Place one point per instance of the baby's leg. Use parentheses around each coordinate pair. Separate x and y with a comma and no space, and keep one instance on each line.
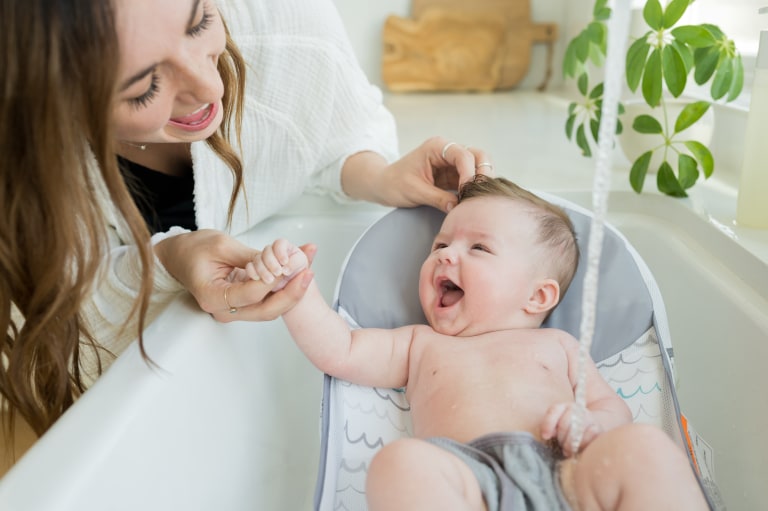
(633,467)
(414,474)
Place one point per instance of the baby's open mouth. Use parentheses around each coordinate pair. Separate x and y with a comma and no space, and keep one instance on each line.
(450,293)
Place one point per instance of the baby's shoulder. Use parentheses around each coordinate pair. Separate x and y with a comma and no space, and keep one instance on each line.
(554,335)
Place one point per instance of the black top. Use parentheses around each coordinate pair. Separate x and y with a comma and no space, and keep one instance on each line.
(163,200)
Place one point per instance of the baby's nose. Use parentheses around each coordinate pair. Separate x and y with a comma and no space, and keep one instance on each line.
(446,255)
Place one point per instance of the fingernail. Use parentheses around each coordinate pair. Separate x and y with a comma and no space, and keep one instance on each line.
(449,206)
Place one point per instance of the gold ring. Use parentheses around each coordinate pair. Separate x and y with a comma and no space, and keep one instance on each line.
(446,147)
(484,164)
(232,310)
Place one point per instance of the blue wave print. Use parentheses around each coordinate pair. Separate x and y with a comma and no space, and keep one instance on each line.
(654,388)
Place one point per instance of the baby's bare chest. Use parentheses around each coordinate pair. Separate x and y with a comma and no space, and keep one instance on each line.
(492,360)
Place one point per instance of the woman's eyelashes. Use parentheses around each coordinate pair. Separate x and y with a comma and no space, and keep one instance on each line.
(204,23)
(143,100)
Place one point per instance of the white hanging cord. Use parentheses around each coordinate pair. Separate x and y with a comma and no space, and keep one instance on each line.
(618,28)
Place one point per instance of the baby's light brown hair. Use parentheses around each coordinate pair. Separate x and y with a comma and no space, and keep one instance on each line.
(556,232)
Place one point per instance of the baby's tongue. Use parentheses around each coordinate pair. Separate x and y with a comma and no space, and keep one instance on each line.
(451,296)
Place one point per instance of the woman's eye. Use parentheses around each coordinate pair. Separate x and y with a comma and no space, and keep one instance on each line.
(202,26)
(143,100)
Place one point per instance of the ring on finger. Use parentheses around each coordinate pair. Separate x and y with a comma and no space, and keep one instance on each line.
(232,310)
(446,147)
(484,164)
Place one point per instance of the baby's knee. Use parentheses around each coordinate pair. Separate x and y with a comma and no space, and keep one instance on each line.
(646,442)
(391,463)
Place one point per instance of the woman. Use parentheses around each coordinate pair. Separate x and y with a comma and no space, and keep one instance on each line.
(161,85)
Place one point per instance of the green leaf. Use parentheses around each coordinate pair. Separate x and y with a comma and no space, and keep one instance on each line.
(594,126)
(646,124)
(686,171)
(639,170)
(674,11)
(597,55)
(600,5)
(652,78)
(603,14)
(706,60)
(582,46)
(635,61)
(685,53)
(667,182)
(581,141)
(702,154)
(570,62)
(597,91)
(652,14)
(596,32)
(721,84)
(582,83)
(569,126)
(619,127)
(738,79)
(690,114)
(674,70)
(714,30)
(695,36)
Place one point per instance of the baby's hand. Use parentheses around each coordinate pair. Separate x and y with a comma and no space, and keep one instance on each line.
(278,263)
(558,422)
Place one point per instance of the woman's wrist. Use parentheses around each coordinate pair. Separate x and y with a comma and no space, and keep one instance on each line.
(361,176)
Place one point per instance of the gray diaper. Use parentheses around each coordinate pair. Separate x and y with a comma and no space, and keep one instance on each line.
(515,472)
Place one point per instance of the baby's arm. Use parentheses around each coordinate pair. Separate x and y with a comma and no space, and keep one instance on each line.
(605,409)
(372,357)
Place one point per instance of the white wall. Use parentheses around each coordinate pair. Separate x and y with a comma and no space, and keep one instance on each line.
(364,20)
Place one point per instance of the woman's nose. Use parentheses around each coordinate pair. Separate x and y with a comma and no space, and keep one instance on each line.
(200,79)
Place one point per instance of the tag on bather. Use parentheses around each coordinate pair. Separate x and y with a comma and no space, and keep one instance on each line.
(704,459)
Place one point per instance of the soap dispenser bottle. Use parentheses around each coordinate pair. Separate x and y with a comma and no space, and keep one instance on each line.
(752,202)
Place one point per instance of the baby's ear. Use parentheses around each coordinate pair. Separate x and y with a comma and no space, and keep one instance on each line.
(545,296)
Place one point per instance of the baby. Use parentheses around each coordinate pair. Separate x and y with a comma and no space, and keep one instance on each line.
(491,392)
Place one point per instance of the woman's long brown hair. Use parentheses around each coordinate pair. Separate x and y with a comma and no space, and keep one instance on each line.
(232,70)
(58,63)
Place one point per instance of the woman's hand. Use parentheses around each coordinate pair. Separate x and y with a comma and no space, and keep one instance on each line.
(203,262)
(430,174)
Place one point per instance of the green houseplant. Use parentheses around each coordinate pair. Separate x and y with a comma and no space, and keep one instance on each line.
(661,64)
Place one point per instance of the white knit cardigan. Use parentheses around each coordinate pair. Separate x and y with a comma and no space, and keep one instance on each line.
(308,107)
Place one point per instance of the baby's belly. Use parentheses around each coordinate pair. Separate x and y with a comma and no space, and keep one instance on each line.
(464,411)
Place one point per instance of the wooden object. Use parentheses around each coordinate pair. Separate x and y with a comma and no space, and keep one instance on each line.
(450,45)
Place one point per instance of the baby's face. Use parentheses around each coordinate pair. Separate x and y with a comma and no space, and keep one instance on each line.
(482,269)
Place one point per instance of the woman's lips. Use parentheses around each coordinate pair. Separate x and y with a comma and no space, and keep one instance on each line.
(197,120)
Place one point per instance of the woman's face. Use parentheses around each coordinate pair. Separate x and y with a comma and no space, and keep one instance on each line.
(169,88)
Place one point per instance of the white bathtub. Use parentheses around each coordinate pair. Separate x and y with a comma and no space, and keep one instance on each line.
(232,421)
